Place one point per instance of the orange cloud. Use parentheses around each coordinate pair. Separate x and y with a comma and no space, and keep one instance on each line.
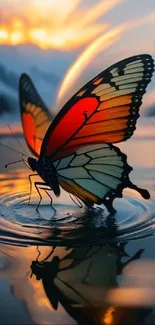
(14,33)
(54,25)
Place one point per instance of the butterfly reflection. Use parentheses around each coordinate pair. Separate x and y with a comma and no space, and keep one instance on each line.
(81,279)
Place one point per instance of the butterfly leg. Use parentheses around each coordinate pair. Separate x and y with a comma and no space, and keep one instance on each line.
(46,190)
(37,188)
(30,176)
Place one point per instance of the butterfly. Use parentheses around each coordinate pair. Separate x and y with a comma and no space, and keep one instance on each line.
(75,150)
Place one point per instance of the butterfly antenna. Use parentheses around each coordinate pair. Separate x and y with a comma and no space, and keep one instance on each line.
(14,162)
(4,145)
(17,139)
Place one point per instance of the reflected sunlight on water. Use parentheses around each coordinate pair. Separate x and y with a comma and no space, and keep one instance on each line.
(137,286)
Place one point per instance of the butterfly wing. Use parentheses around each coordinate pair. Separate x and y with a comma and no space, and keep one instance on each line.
(35,115)
(105,110)
(95,174)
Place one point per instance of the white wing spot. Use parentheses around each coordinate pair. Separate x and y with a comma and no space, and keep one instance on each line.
(117,93)
(114,72)
(140,69)
(134,66)
(134,62)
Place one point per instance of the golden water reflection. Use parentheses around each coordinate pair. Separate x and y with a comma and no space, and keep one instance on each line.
(15,187)
(137,287)
(61,285)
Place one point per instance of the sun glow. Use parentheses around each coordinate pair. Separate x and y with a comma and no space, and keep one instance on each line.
(3,34)
(55,25)
(12,34)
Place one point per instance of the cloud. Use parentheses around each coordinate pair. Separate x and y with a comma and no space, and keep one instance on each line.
(53,25)
(8,103)
(9,78)
(148,107)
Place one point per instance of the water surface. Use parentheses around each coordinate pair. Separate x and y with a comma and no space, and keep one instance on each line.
(79,265)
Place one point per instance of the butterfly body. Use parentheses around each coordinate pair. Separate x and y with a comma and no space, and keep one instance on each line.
(47,172)
(39,268)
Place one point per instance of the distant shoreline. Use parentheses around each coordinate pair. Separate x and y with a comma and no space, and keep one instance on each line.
(7,134)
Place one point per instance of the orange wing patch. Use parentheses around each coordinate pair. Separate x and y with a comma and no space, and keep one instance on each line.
(94,139)
(103,88)
(122,100)
(97,81)
(35,124)
(105,114)
(28,124)
(102,127)
(81,93)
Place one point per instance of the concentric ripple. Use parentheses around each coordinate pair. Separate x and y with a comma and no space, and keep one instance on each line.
(20,224)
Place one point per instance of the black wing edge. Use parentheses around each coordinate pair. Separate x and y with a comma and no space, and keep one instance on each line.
(29,94)
(125,183)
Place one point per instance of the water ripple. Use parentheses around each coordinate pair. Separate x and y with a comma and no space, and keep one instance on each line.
(20,224)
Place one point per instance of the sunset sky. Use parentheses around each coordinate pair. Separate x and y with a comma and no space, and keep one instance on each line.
(68,25)
(91,34)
